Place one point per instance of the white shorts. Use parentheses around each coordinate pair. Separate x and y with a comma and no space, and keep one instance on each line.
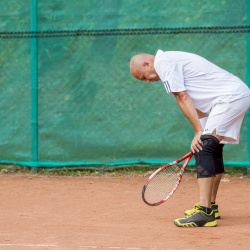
(226,118)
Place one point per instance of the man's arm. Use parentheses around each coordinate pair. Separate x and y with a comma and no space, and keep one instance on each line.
(186,105)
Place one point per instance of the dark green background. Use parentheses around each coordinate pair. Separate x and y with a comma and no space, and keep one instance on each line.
(90,107)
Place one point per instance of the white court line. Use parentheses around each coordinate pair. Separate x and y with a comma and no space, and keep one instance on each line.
(129,248)
(28,245)
(88,246)
(133,248)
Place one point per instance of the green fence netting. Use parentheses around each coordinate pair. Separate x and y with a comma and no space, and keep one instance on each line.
(68,98)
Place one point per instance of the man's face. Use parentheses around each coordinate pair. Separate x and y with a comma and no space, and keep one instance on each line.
(147,73)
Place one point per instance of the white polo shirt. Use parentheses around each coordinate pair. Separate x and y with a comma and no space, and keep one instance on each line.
(205,82)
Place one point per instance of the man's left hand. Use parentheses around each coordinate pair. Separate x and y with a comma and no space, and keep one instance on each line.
(196,144)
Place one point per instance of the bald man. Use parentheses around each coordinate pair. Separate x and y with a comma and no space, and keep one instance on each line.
(215,102)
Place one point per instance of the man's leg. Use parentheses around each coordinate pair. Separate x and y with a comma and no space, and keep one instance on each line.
(219,170)
(215,187)
(205,191)
(208,187)
(203,216)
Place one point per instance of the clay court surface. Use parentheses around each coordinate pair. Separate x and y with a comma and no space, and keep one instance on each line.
(108,213)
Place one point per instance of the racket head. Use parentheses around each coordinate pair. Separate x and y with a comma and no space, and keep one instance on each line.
(161,185)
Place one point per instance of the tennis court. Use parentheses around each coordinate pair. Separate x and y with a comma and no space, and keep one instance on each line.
(41,212)
(69,101)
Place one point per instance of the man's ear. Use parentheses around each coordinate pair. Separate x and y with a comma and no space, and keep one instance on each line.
(145,64)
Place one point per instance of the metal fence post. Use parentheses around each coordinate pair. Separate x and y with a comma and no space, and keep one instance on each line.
(248,83)
(34,85)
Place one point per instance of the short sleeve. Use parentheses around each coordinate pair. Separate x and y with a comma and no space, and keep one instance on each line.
(172,76)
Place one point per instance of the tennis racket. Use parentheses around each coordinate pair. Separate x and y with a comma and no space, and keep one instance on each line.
(161,185)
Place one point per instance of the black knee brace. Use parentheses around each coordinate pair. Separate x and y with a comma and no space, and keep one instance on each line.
(218,159)
(205,163)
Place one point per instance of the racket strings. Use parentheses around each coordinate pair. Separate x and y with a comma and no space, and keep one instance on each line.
(162,184)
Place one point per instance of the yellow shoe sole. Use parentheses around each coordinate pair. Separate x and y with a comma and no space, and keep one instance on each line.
(193,224)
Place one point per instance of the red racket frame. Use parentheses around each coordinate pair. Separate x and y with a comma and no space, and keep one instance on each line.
(187,157)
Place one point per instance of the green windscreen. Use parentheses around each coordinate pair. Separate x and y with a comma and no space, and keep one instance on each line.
(90,109)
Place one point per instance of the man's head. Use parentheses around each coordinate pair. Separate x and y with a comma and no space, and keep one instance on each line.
(142,68)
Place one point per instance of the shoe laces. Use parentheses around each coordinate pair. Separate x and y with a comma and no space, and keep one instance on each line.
(197,210)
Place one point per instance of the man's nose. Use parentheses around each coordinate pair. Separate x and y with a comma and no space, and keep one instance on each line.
(147,81)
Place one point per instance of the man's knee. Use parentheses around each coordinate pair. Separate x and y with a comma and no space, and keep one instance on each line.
(205,158)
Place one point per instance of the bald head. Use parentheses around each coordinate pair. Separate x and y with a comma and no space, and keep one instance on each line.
(142,67)
(137,62)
